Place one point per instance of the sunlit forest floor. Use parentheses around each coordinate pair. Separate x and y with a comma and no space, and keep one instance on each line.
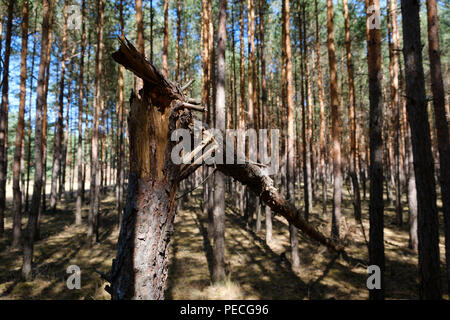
(255,270)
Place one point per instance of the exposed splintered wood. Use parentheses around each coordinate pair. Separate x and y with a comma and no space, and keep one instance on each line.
(140,268)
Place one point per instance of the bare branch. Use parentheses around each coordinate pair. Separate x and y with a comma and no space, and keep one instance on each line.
(187,85)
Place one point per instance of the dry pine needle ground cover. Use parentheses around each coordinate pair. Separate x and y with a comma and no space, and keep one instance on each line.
(255,270)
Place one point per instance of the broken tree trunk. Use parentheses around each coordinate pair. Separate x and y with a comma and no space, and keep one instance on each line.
(139,270)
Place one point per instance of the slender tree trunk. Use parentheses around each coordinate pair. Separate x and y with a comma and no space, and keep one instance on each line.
(62,185)
(178,47)
(290,176)
(250,209)
(121,104)
(80,117)
(205,95)
(352,119)
(86,123)
(4,116)
(40,100)
(376,205)
(242,119)
(57,147)
(334,101)
(95,174)
(17,194)
(442,128)
(322,115)
(428,227)
(307,122)
(45,125)
(219,179)
(151,30)
(211,114)
(165,50)
(262,4)
(395,103)
(412,194)
(29,115)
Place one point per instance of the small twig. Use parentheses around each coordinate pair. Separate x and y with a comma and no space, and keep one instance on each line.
(187,85)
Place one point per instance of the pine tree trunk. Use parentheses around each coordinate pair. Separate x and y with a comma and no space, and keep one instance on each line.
(57,147)
(322,166)
(289,99)
(4,115)
(376,205)
(442,127)
(428,227)
(95,173)
(40,100)
(395,103)
(334,102)
(80,118)
(17,194)
(351,110)
(121,104)
(165,50)
(264,109)
(219,179)
(29,118)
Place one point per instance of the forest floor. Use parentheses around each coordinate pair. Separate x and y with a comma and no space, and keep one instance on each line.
(255,270)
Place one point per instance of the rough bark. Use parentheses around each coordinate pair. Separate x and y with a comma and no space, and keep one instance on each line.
(4,115)
(251,205)
(57,147)
(218,274)
(80,118)
(335,125)
(120,116)
(290,174)
(17,194)
(95,172)
(395,104)
(33,54)
(264,109)
(351,112)
(40,99)
(165,51)
(441,122)
(416,106)
(322,166)
(376,205)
